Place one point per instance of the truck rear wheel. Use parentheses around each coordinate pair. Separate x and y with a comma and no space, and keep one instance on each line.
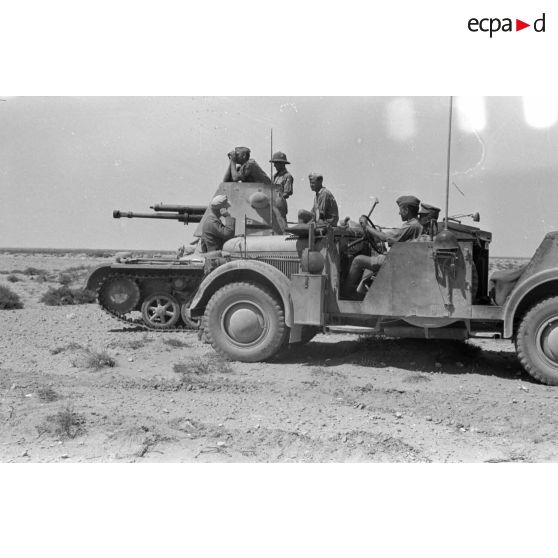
(245,322)
(537,341)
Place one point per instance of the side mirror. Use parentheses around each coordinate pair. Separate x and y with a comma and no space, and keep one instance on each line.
(476,217)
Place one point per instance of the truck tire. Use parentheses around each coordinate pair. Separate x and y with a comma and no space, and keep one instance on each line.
(537,341)
(245,322)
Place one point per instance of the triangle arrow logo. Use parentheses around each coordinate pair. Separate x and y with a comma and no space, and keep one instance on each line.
(519,25)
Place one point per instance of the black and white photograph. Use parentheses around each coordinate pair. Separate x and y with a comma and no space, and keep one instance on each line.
(278,279)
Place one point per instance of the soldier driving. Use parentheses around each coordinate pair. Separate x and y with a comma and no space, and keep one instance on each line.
(243,169)
(214,232)
(411,229)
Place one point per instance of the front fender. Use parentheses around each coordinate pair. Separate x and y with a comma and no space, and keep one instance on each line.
(244,270)
(521,291)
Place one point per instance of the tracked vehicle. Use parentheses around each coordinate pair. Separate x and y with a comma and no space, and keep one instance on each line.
(155,293)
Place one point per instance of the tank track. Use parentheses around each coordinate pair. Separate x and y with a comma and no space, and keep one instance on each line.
(137,322)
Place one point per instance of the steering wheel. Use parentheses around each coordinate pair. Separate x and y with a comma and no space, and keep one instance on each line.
(377,245)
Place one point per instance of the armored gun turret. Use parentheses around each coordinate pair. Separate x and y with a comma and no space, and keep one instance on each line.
(156,292)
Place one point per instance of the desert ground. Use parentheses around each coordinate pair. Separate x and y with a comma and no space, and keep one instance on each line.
(78,386)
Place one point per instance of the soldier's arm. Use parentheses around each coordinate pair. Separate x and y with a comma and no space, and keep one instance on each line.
(288,187)
(226,230)
(235,174)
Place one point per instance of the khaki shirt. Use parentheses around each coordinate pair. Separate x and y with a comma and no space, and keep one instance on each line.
(410,230)
(214,233)
(325,207)
(284,181)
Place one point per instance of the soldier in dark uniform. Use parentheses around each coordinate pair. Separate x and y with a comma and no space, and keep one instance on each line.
(243,169)
(410,230)
(325,208)
(214,232)
(428,218)
(283,183)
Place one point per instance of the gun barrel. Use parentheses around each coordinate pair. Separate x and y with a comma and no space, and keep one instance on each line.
(183,217)
(190,209)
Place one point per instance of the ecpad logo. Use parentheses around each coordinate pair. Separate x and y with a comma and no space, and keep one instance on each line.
(493,25)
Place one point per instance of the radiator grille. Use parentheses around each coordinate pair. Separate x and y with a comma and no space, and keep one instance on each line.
(287,266)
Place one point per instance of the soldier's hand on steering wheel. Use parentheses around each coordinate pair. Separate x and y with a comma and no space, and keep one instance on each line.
(376,244)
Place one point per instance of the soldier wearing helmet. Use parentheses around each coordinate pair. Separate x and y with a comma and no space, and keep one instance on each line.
(410,230)
(243,169)
(214,232)
(283,186)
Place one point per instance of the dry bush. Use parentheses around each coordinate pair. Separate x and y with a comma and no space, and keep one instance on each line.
(38,274)
(93,360)
(196,370)
(72,346)
(8,299)
(46,393)
(73,274)
(131,343)
(177,343)
(66,423)
(64,296)
(12,278)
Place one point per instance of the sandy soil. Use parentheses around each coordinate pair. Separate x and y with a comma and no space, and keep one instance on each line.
(168,398)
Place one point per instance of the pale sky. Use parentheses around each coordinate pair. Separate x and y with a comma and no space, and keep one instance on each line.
(67,162)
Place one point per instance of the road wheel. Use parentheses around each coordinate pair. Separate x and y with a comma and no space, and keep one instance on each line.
(119,295)
(245,322)
(537,341)
(160,311)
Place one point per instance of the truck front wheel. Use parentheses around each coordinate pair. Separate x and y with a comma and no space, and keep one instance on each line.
(245,322)
(537,341)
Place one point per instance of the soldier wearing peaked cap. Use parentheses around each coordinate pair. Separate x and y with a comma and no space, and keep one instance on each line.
(283,183)
(243,169)
(428,218)
(214,232)
(410,230)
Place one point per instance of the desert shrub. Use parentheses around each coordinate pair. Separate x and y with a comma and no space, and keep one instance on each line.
(34,271)
(63,296)
(72,346)
(65,279)
(93,360)
(8,299)
(12,278)
(66,423)
(46,393)
(202,367)
(73,274)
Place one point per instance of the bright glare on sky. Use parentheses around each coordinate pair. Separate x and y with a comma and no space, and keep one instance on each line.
(67,162)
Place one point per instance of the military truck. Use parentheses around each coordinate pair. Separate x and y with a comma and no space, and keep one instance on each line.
(269,292)
(156,292)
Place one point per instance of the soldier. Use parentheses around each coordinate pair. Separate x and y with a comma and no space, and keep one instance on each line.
(411,229)
(243,169)
(283,182)
(214,232)
(325,207)
(428,218)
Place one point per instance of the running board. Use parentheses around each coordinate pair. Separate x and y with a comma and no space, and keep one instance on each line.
(350,329)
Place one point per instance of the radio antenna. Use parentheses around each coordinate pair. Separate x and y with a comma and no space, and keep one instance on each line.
(448,163)
(271,155)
